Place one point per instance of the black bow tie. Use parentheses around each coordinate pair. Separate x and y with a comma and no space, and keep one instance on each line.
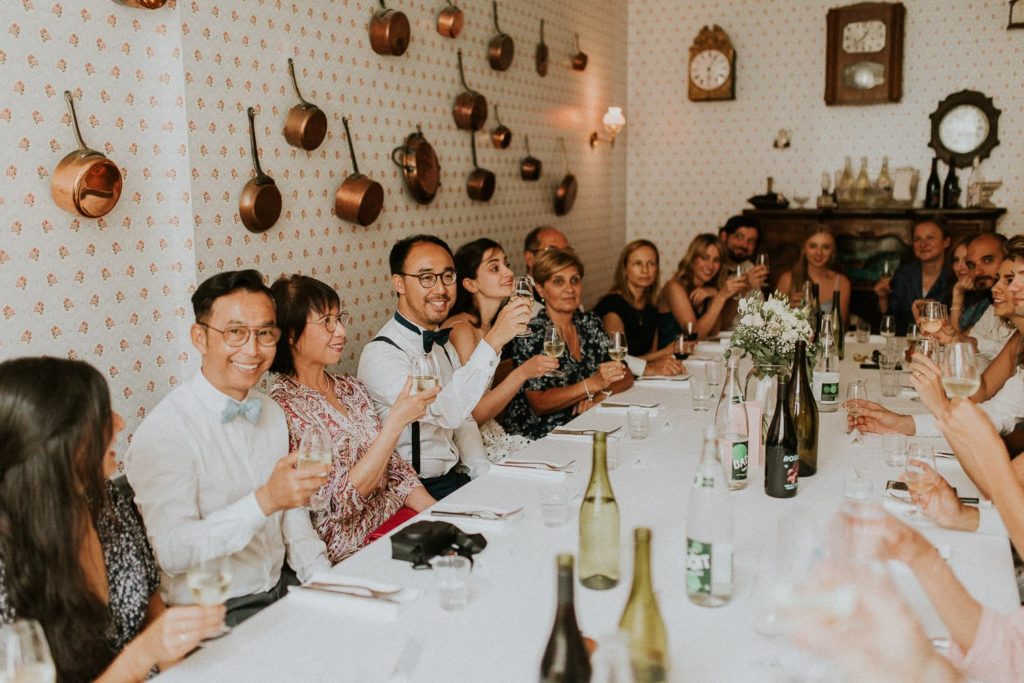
(434,337)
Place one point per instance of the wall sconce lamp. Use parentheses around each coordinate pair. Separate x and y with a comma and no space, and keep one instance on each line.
(613,122)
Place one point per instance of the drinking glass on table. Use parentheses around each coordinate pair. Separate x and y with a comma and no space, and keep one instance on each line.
(209,581)
(933,316)
(316,448)
(960,375)
(618,348)
(554,346)
(855,392)
(25,654)
(523,287)
(713,374)
(918,478)
(863,331)
(424,373)
(887,328)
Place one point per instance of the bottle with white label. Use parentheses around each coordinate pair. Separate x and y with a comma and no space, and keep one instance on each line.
(709,530)
(731,425)
(826,371)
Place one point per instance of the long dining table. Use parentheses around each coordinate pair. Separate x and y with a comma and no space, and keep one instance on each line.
(501,634)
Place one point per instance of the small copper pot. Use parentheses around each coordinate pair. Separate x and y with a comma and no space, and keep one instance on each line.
(389,32)
(85,181)
(580,59)
(502,48)
(259,207)
(530,167)
(450,21)
(420,167)
(470,109)
(481,183)
(306,124)
(142,4)
(501,136)
(360,198)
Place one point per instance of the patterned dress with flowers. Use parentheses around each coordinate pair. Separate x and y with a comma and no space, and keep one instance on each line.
(349,517)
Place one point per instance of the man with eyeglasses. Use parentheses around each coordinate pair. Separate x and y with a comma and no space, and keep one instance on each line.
(540,240)
(423,276)
(210,465)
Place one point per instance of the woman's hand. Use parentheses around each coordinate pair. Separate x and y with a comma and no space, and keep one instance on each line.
(874,418)
(513,318)
(947,334)
(927,380)
(177,631)
(608,373)
(883,288)
(732,287)
(963,285)
(975,440)
(701,294)
(901,542)
(538,365)
(409,407)
(663,367)
(940,502)
(584,405)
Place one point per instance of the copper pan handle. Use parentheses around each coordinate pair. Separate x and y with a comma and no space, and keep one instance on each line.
(541,30)
(527,138)
(565,157)
(494,6)
(74,119)
(472,142)
(578,43)
(348,136)
(260,175)
(462,73)
(295,83)
(497,115)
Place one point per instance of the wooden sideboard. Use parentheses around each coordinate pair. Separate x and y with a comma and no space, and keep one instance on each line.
(864,239)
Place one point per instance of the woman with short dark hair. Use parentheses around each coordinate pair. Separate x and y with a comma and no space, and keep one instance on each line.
(928,276)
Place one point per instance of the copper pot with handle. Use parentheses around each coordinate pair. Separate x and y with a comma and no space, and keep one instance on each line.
(360,198)
(85,181)
(306,124)
(420,167)
(481,183)
(565,193)
(501,136)
(470,109)
(389,32)
(502,48)
(260,204)
(580,59)
(530,167)
(450,21)
(142,4)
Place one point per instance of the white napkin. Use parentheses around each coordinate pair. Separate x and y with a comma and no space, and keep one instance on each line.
(386,609)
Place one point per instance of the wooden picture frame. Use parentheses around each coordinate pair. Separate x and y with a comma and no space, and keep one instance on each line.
(864,75)
(1016,15)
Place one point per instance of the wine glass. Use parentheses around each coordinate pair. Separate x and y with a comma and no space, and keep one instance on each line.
(888,326)
(741,275)
(618,348)
(855,392)
(424,373)
(917,478)
(25,654)
(960,376)
(932,317)
(762,260)
(316,448)
(209,581)
(927,347)
(554,346)
(523,287)
(888,268)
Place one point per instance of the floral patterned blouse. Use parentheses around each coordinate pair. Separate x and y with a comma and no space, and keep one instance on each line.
(349,517)
(520,418)
(132,574)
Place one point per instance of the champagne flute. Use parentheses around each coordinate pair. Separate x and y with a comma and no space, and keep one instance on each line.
(960,376)
(888,326)
(424,373)
(523,287)
(316,448)
(618,348)
(932,317)
(762,260)
(741,275)
(25,654)
(917,478)
(209,581)
(888,269)
(554,346)
(855,391)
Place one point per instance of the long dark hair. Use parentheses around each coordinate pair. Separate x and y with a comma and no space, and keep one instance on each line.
(55,425)
(467,264)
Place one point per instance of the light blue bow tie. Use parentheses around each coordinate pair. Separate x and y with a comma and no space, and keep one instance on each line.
(250,408)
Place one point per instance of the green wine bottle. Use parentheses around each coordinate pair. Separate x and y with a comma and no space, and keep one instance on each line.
(838,329)
(804,411)
(565,657)
(782,458)
(641,620)
(599,525)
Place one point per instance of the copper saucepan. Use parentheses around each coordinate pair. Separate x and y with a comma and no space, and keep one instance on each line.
(450,21)
(420,167)
(502,48)
(501,136)
(142,4)
(540,57)
(306,124)
(530,166)
(85,181)
(260,203)
(470,109)
(565,193)
(481,182)
(360,198)
(579,60)
(389,32)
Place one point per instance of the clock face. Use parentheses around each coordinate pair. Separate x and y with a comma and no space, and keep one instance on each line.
(864,37)
(963,129)
(709,69)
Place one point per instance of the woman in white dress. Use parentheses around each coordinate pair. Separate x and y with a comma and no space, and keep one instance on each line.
(484,285)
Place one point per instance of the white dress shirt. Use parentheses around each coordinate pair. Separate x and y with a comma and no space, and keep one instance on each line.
(1005,409)
(991,333)
(448,432)
(195,481)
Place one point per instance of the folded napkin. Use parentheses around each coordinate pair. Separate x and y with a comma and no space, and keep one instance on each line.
(340,591)
(529,468)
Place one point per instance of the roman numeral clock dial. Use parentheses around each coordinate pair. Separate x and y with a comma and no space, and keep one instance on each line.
(712,66)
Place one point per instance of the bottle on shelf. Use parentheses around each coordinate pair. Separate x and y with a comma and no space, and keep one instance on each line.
(565,657)
(599,524)
(884,181)
(862,184)
(804,411)
(838,329)
(826,371)
(709,531)
(933,190)
(641,619)
(844,186)
(951,189)
(974,182)
(731,425)
(782,459)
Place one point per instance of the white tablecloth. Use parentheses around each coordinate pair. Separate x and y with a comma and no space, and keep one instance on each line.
(501,635)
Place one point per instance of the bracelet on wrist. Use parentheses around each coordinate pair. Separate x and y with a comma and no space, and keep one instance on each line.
(590,396)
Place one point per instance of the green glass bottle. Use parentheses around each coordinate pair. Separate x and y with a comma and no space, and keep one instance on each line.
(781,456)
(838,329)
(804,411)
(599,525)
(641,620)
(565,657)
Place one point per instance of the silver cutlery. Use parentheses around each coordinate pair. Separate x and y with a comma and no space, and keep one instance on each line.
(536,464)
(477,514)
(337,590)
(667,378)
(376,592)
(610,404)
(583,432)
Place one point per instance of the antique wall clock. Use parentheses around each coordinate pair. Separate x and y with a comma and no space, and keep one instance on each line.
(712,70)
(965,125)
(864,53)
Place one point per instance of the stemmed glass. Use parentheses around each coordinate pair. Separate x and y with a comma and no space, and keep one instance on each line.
(523,287)
(25,654)
(554,346)
(316,448)
(209,581)
(618,348)
(927,347)
(888,268)
(424,373)
(888,326)
(855,392)
(960,376)
(933,315)
(918,478)
(762,260)
(741,274)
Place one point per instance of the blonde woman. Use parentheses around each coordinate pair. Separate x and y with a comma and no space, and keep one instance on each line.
(815,265)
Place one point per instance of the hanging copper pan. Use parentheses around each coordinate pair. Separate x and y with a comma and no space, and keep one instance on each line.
(360,198)
(389,32)
(580,59)
(142,4)
(420,167)
(306,124)
(85,181)
(501,136)
(450,21)
(470,109)
(502,48)
(565,193)
(530,166)
(481,182)
(540,57)
(260,203)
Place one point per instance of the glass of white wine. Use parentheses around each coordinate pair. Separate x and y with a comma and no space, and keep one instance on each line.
(888,268)
(888,326)
(25,654)
(855,392)
(618,349)
(424,373)
(316,448)
(209,581)
(918,478)
(762,260)
(932,317)
(960,376)
(554,346)
(523,287)
(741,275)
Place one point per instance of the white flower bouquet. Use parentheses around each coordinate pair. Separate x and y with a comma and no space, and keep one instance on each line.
(769,330)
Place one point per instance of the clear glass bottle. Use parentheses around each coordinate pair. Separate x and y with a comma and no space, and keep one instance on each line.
(565,657)
(862,184)
(641,619)
(599,524)
(844,187)
(731,425)
(709,531)
(884,181)
(826,371)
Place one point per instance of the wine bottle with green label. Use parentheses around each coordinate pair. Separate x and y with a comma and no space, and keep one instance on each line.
(731,425)
(709,530)
(599,525)
(826,372)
